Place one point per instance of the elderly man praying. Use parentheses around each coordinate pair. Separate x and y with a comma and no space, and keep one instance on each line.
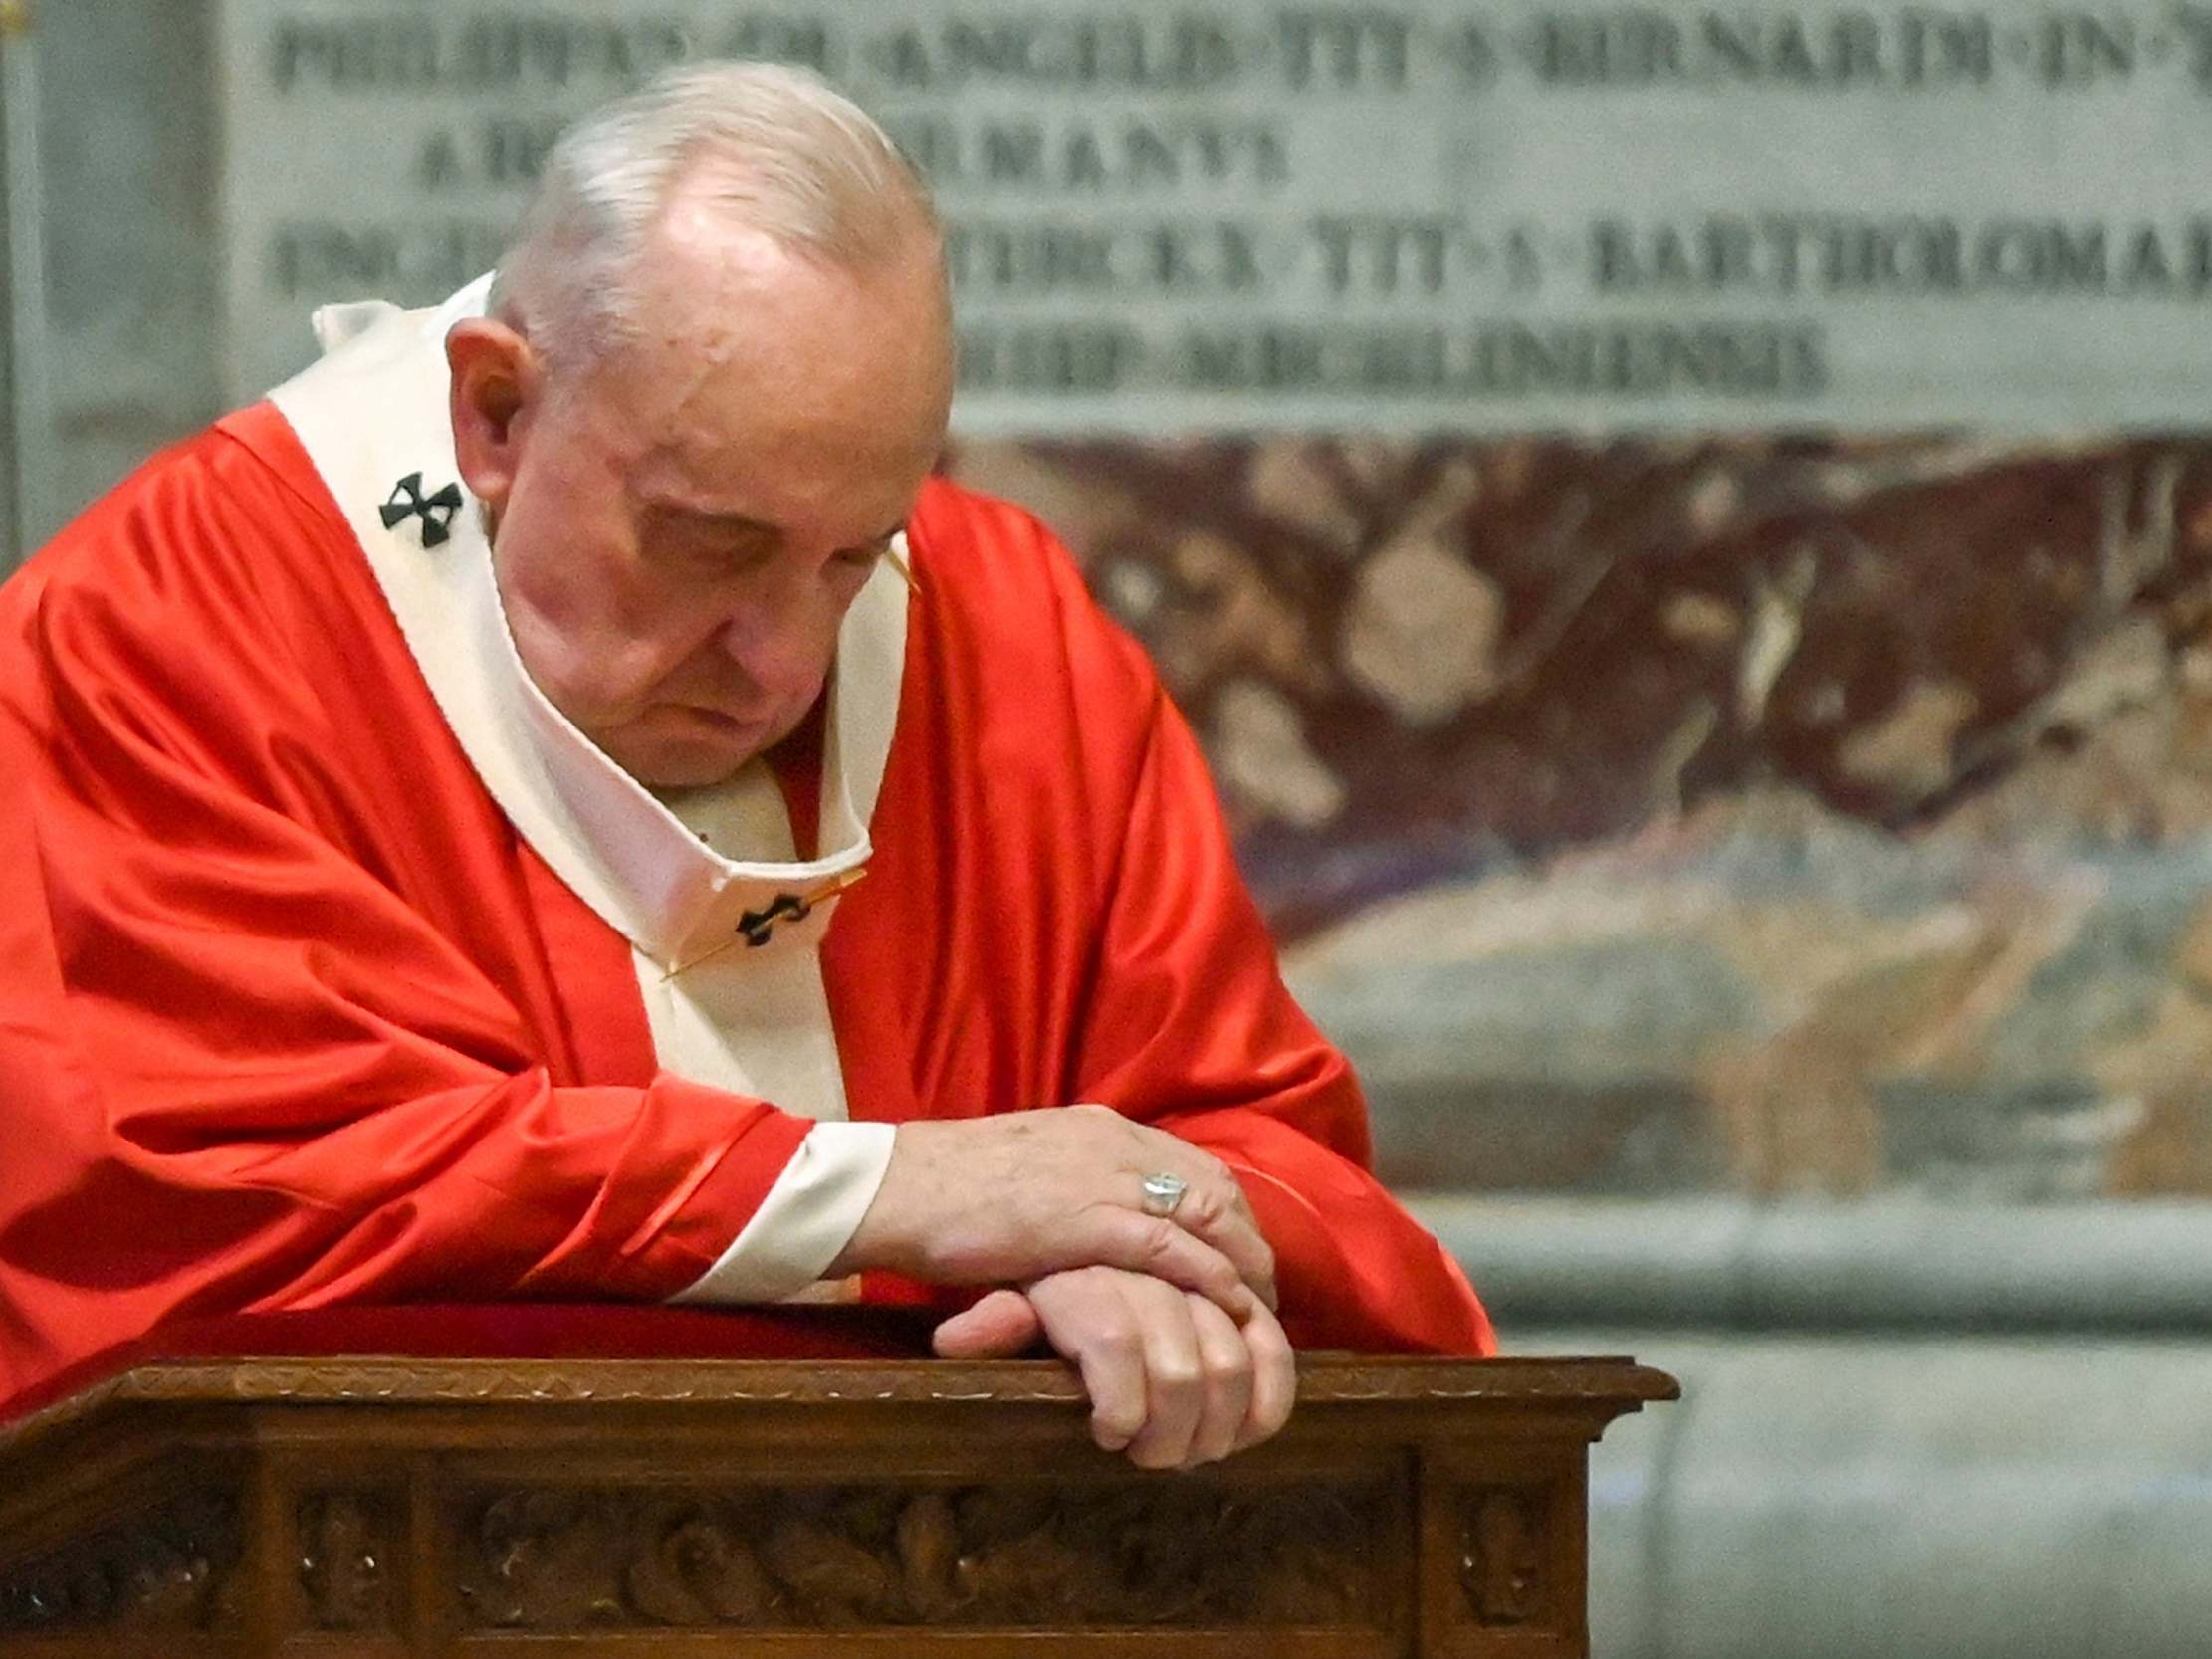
(440,800)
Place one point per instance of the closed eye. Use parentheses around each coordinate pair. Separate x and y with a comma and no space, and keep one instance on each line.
(870,556)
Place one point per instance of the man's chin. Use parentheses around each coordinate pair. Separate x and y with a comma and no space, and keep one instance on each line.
(712,752)
(685,772)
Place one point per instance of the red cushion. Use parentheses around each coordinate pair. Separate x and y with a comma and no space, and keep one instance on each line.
(509,1330)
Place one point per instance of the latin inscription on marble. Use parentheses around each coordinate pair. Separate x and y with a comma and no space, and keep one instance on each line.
(1427,215)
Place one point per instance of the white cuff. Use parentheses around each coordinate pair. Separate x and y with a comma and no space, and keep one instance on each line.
(809,1214)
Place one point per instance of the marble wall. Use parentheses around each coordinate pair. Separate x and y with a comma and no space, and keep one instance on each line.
(132,236)
(1775,815)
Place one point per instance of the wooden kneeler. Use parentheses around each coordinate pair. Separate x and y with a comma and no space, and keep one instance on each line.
(351,1507)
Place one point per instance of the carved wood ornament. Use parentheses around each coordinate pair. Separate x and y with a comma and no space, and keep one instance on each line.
(1501,1558)
(1136,1554)
(171,1567)
(346,1554)
(1423,1508)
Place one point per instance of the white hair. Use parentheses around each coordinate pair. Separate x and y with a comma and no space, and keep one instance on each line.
(776,147)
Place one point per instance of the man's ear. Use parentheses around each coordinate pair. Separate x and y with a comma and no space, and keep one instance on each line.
(497,382)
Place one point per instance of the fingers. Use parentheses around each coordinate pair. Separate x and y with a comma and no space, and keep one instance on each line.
(1176,1382)
(1163,1249)
(1274,1379)
(997,1326)
(1090,1321)
(1214,1207)
(1226,1374)
(1215,1211)
(1173,1381)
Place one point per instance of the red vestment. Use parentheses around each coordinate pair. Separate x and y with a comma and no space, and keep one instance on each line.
(290,1015)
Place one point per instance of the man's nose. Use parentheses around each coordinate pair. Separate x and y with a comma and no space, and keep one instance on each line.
(782,646)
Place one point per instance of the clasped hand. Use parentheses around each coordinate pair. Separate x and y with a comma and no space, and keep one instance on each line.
(1169,1319)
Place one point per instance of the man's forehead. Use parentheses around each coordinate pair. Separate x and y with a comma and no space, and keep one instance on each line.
(736,445)
(697,384)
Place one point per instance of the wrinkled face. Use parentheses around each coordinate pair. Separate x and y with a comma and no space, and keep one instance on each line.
(679,533)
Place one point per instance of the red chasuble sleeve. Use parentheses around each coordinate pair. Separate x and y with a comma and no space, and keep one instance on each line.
(277,1026)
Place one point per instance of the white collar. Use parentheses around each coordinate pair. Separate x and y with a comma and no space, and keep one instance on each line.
(373,413)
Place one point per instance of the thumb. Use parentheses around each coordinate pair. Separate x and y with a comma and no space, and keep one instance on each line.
(998,1327)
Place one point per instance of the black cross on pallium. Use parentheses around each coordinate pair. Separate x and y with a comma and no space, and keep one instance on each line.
(758,926)
(435,512)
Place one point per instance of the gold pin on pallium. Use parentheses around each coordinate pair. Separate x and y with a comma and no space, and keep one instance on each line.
(755,927)
(905,570)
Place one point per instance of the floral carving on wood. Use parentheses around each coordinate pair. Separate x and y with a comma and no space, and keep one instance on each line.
(1501,1555)
(1141,1553)
(171,1569)
(346,1560)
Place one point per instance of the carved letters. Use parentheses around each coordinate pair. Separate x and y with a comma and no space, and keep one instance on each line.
(1142,1552)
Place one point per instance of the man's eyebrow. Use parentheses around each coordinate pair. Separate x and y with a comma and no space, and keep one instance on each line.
(715,519)
(745,523)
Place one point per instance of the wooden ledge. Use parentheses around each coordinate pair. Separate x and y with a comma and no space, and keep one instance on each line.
(396,1380)
(402,1505)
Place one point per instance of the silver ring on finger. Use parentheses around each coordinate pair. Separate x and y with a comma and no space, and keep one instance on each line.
(1163,1193)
